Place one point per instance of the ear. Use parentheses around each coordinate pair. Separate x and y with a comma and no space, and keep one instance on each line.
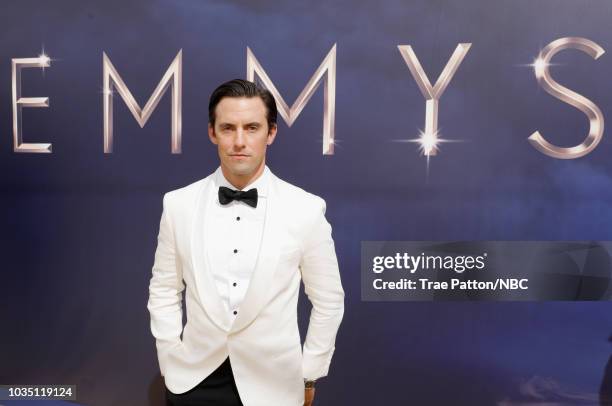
(211,134)
(272,134)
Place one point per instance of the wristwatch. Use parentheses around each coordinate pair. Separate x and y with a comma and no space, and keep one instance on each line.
(309,383)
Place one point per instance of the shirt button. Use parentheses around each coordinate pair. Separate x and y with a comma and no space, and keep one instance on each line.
(238,218)
(235,312)
(234,283)
(235,251)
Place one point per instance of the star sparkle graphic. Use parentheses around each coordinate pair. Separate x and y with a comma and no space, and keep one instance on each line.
(538,65)
(44,61)
(428,143)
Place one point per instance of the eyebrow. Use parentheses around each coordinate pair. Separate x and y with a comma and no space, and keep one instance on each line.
(254,123)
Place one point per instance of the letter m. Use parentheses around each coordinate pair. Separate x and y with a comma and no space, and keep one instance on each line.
(325,73)
(172,79)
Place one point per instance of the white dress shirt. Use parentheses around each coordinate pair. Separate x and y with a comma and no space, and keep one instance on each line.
(237,238)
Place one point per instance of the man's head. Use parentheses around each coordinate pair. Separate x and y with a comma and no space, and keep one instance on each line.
(242,123)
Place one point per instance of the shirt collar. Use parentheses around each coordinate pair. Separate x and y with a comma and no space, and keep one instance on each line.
(261,183)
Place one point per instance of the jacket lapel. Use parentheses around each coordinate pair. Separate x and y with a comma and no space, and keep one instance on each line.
(200,236)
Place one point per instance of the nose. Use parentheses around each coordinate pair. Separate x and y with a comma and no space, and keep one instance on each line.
(239,139)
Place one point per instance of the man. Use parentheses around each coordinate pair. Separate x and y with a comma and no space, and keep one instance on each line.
(238,242)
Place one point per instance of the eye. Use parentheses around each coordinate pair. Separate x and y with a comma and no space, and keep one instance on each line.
(253,128)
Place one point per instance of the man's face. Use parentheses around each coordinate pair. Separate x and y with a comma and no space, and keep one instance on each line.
(241,134)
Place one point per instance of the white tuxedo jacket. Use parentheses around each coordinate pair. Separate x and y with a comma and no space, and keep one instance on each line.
(262,341)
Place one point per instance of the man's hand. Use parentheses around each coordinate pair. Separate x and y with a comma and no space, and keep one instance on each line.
(309,396)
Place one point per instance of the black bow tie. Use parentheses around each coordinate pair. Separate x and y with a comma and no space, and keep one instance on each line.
(226,195)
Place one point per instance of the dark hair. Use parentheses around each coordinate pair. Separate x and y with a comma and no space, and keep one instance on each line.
(243,88)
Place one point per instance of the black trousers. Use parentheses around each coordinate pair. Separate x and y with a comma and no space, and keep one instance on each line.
(218,389)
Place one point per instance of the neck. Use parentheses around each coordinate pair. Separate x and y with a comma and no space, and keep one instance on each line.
(242,181)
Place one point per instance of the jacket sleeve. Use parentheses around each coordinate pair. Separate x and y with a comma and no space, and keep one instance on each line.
(165,291)
(321,276)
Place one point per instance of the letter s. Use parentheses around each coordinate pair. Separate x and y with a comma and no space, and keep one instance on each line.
(596,118)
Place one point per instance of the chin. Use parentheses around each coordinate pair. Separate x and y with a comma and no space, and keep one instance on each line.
(240,169)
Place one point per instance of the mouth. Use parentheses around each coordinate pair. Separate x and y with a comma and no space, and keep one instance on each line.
(239,156)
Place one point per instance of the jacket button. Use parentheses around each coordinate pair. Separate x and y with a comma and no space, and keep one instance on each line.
(235,251)
(235,312)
